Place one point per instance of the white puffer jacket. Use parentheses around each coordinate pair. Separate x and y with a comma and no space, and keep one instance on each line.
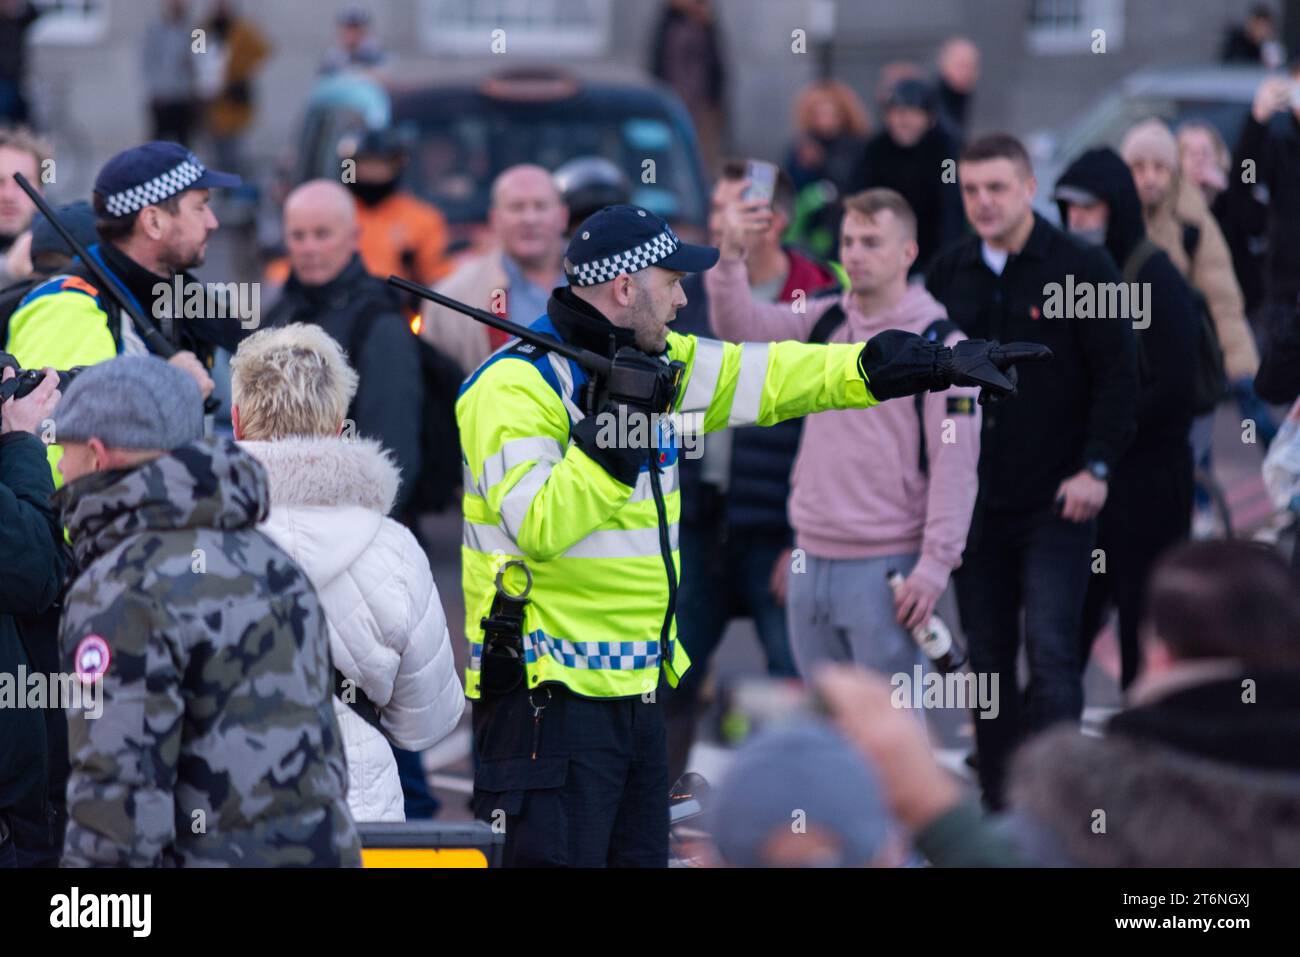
(388,633)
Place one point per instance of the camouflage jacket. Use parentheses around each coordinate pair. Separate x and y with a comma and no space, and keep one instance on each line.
(217,743)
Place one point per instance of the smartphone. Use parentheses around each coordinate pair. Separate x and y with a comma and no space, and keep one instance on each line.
(762,181)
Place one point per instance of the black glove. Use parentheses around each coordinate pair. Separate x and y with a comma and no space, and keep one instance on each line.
(623,456)
(990,365)
(897,363)
(621,435)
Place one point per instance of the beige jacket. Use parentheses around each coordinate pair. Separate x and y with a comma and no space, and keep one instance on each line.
(473,282)
(1210,272)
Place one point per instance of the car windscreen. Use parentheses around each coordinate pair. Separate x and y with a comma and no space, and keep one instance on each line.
(1115,116)
(460,145)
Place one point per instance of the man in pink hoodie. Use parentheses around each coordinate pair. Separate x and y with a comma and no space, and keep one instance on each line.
(870,492)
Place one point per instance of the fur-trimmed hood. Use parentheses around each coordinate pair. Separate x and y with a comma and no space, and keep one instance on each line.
(330,496)
(329,471)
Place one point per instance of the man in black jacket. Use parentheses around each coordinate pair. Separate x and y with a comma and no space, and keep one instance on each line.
(1271,141)
(32,574)
(908,157)
(1149,507)
(329,286)
(1045,460)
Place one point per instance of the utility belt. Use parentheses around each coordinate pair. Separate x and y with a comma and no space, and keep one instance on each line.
(502,665)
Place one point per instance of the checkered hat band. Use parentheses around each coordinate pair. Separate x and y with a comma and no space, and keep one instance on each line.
(161,187)
(634,260)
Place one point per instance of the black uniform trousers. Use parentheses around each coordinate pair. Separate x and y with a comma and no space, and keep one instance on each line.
(581,783)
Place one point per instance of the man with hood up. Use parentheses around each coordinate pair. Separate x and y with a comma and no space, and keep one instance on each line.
(1150,503)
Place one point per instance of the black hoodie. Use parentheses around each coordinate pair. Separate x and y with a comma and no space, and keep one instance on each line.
(914,172)
(1167,347)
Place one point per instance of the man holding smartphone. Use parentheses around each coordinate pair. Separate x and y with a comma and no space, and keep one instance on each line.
(736,538)
(908,504)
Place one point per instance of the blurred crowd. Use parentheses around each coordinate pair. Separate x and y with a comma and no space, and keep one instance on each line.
(333,432)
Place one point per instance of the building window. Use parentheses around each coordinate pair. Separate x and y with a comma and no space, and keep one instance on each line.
(1059,27)
(551,28)
(70,22)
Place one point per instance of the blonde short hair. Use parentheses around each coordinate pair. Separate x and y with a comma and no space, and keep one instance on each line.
(294,380)
(23,139)
(869,202)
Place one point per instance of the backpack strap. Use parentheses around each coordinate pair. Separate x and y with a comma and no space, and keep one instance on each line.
(1137,259)
(1133,267)
(827,323)
(937,331)
(1191,239)
(361,705)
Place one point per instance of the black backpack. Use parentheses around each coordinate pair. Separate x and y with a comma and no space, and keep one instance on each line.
(1209,378)
(434,489)
(937,331)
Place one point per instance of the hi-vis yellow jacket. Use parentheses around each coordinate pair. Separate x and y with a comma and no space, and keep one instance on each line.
(596,613)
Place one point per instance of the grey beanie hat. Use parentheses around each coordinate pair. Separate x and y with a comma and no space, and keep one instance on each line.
(131,402)
(804,767)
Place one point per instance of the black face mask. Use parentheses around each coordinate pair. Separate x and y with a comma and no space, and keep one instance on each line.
(372,194)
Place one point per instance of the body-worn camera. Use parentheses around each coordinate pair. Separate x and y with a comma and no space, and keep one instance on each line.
(643,382)
(25,380)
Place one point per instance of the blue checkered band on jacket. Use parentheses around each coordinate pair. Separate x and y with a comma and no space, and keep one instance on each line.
(581,654)
(634,260)
(596,655)
(161,187)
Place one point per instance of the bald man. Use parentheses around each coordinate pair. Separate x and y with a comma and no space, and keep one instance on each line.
(328,285)
(959,71)
(514,278)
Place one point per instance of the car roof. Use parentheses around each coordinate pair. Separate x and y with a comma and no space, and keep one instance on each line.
(415,74)
(624,89)
(1224,83)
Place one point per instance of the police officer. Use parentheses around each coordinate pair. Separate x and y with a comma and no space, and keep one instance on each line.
(570,541)
(153,220)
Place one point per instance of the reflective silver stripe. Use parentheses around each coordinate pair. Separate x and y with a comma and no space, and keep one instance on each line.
(516,452)
(607,543)
(467,479)
(514,506)
(561,367)
(488,539)
(749,384)
(622,543)
(643,490)
(132,344)
(704,375)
